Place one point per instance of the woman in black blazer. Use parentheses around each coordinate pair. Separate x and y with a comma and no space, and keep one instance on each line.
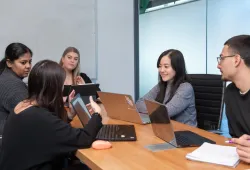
(70,61)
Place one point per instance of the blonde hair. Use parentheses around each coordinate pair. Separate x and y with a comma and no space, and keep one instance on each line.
(76,71)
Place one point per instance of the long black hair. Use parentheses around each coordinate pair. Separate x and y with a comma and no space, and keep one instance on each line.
(45,86)
(12,52)
(178,65)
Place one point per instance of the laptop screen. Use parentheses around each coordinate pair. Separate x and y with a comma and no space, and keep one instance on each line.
(160,120)
(81,109)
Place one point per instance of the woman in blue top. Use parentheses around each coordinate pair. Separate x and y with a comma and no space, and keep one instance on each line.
(173,89)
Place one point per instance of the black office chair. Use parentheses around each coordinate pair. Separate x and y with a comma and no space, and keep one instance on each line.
(209,99)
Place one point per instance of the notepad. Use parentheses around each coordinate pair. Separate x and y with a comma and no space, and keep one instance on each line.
(216,154)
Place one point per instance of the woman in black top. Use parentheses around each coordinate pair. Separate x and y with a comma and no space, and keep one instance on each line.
(15,66)
(37,135)
(70,61)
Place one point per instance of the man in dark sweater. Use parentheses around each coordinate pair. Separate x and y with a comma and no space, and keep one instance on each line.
(234,65)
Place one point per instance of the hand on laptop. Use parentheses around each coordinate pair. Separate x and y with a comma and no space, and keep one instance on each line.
(79,80)
(71,113)
(93,107)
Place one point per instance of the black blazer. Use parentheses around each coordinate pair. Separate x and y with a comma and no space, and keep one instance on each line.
(85,78)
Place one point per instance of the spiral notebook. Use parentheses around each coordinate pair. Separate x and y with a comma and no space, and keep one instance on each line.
(216,154)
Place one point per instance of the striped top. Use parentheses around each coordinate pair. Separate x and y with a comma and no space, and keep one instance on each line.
(180,108)
(12,91)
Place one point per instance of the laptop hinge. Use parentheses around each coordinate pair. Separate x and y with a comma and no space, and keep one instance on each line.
(173,142)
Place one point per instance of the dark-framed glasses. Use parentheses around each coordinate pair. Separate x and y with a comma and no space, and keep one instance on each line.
(223,57)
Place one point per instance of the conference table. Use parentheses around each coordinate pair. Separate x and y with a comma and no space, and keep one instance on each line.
(134,155)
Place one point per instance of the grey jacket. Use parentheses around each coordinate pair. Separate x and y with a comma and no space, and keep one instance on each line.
(180,108)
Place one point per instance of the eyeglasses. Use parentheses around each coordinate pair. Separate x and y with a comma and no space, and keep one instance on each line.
(223,57)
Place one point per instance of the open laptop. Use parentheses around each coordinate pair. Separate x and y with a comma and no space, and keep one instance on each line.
(107,132)
(163,129)
(122,107)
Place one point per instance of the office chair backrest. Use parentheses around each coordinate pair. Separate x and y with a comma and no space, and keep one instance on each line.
(209,99)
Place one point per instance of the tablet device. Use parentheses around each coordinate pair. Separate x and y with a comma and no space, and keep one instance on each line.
(86,90)
(66,90)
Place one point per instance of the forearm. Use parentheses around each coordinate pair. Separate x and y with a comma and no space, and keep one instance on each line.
(151,95)
(69,139)
(140,105)
(94,124)
(90,131)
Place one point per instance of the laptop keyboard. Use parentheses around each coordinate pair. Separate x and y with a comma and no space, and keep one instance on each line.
(188,138)
(181,140)
(115,133)
(107,132)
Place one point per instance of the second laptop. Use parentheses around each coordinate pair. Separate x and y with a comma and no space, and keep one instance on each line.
(107,132)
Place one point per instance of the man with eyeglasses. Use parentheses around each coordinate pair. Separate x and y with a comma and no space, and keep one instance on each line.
(234,65)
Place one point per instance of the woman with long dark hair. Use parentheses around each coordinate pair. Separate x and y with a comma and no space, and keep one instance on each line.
(36,134)
(15,66)
(173,89)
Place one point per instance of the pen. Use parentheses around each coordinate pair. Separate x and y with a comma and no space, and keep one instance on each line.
(230,141)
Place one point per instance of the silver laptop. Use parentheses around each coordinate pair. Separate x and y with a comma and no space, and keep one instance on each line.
(107,132)
(163,129)
(122,107)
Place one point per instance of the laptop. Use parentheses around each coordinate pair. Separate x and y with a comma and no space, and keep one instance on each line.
(122,107)
(163,129)
(107,132)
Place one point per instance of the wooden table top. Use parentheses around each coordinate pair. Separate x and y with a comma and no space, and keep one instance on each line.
(134,155)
